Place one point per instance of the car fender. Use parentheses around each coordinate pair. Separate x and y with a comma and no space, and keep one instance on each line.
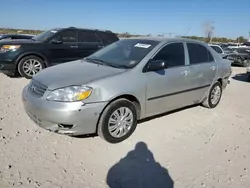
(31,53)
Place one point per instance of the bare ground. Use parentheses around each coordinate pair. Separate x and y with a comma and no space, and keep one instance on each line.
(195,147)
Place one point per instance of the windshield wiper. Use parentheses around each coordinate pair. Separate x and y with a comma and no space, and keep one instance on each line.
(102,62)
(97,61)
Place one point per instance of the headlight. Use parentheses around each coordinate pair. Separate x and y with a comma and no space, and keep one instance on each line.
(70,94)
(6,48)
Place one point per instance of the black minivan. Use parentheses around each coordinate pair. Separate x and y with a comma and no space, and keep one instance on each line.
(55,46)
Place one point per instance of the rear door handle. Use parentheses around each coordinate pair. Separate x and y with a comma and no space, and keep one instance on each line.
(74,46)
(185,73)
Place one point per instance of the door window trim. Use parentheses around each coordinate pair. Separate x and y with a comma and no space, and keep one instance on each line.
(213,61)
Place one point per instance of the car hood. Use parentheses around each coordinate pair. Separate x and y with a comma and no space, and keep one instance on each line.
(18,41)
(78,72)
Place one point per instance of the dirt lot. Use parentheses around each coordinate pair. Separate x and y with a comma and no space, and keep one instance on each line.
(196,147)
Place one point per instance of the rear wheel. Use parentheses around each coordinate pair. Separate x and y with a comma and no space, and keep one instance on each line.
(246,63)
(214,96)
(118,121)
(30,66)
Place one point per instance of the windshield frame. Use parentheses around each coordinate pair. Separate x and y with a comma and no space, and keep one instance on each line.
(111,47)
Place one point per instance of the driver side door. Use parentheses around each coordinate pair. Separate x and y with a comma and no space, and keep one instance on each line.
(66,50)
(166,88)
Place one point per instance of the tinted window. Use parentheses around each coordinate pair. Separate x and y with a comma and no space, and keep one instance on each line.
(87,36)
(217,49)
(198,54)
(173,54)
(108,37)
(67,36)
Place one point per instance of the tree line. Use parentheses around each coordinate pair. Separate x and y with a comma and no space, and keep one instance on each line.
(240,39)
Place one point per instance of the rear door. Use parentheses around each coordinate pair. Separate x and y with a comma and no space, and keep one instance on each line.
(203,69)
(65,51)
(89,42)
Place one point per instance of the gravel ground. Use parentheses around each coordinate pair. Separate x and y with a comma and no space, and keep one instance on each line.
(195,147)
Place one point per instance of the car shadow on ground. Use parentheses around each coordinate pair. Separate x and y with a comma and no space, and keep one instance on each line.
(243,77)
(167,113)
(145,119)
(139,170)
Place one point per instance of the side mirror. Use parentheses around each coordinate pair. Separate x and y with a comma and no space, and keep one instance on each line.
(54,41)
(155,65)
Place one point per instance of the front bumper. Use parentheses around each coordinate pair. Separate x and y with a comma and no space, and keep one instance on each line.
(64,118)
(7,63)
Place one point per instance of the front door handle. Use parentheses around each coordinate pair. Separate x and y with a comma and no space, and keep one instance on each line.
(74,46)
(185,73)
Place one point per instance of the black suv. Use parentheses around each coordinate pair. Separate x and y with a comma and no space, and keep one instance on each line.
(55,46)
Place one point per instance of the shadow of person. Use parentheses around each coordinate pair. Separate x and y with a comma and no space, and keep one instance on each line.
(139,170)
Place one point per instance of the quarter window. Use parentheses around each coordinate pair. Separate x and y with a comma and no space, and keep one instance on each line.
(173,54)
(198,54)
(87,36)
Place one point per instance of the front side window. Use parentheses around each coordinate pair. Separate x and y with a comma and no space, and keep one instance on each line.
(123,53)
(198,54)
(173,54)
(67,36)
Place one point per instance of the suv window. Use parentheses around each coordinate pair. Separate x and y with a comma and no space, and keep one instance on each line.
(108,37)
(87,36)
(173,54)
(67,36)
(198,54)
(217,49)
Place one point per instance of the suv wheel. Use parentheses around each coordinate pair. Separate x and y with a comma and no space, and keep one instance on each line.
(214,96)
(246,63)
(30,65)
(118,121)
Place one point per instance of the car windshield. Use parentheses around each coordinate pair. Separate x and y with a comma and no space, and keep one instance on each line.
(45,35)
(125,53)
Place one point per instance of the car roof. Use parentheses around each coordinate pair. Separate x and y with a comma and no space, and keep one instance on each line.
(165,39)
(90,29)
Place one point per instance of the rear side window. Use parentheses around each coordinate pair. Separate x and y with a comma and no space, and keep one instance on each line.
(108,37)
(198,54)
(217,49)
(87,36)
(173,54)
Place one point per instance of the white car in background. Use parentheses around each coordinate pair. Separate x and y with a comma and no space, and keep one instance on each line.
(218,49)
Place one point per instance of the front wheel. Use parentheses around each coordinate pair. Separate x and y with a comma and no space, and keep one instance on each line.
(30,66)
(214,96)
(118,121)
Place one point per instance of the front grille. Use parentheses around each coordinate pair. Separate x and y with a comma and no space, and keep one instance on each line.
(37,88)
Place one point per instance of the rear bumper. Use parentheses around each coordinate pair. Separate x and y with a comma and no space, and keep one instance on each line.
(63,118)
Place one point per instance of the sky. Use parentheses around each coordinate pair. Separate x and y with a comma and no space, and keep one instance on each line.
(181,17)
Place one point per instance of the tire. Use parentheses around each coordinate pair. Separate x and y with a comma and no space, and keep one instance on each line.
(22,66)
(208,102)
(246,63)
(103,124)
